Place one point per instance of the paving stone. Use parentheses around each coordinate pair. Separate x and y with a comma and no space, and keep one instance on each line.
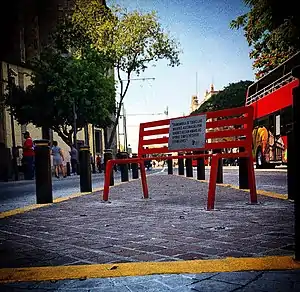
(191,256)
(211,285)
(271,286)
(240,278)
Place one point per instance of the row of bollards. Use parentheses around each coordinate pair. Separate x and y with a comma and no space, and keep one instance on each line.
(185,166)
(43,175)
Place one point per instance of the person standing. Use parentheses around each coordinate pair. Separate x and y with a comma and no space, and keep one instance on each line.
(58,159)
(28,156)
(98,163)
(74,159)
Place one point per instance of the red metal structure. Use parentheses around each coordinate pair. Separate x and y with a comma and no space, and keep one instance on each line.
(156,134)
(271,98)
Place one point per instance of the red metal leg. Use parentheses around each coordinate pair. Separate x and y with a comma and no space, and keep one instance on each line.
(107,180)
(251,181)
(144,180)
(212,183)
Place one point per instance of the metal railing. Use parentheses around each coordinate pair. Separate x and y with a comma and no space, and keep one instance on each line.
(270,88)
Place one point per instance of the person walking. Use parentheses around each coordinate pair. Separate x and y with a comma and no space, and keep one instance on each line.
(74,159)
(58,159)
(28,157)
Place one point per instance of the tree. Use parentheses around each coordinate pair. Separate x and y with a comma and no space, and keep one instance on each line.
(58,83)
(231,96)
(272,29)
(132,40)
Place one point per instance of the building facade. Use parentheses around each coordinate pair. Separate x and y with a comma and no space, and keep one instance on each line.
(25,28)
(195,104)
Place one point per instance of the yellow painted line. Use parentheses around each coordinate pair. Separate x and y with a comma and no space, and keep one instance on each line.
(259,192)
(54,273)
(57,200)
(37,206)
(263,193)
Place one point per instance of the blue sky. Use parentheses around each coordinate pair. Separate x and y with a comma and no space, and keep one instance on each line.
(210,48)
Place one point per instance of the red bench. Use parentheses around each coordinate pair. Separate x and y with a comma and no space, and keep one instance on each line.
(225,129)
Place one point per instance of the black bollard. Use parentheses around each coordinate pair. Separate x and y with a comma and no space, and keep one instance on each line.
(85,169)
(296,158)
(43,178)
(134,168)
(108,156)
(170,165)
(220,167)
(291,166)
(189,166)
(68,169)
(200,166)
(93,167)
(180,164)
(243,171)
(124,167)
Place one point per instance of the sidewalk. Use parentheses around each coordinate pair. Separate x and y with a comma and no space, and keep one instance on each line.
(172,226)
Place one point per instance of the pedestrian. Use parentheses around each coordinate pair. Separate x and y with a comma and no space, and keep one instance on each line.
(58,159)
(93,163)
(28,157)
(102,162)
(98,163)
(74,159)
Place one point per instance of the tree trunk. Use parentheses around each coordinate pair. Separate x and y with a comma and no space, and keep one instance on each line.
(67,140)
(115,124)
(105,138)
(46,133)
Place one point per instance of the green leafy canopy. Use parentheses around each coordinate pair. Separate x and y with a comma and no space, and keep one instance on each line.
(231,96)
(61,80)
(272,29)
(131,39)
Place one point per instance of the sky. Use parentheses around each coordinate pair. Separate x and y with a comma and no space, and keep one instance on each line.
(211,53)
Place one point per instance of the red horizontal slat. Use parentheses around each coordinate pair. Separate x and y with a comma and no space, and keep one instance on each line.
(226,133)
(155,124)
(228,122)
(230,112)
(208,146)
(160,131)
(227,144)
(155,141)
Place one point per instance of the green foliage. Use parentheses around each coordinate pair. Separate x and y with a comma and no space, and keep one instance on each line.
(59,82)
(272,29)
(132,40)
(231,96)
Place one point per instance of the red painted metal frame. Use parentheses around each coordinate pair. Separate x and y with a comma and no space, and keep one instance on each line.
(242,117)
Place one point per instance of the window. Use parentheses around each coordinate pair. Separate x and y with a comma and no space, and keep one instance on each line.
(286,120)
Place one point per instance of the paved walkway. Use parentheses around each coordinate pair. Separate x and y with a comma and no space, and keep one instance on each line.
(254,281)
(172,226)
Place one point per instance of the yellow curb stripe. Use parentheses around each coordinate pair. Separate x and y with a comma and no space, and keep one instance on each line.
(259,192)
(37,206)
(55,273)
(57,200)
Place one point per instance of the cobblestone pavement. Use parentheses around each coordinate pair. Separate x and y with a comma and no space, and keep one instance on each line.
(22,193)
(253,281)
(172,225)
(272,180)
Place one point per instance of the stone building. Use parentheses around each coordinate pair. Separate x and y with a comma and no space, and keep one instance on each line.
(195,104)
(25,27)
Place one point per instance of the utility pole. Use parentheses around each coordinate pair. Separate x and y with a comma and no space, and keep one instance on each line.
(125,129)
(12,123)
(124,115)
(74,125)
